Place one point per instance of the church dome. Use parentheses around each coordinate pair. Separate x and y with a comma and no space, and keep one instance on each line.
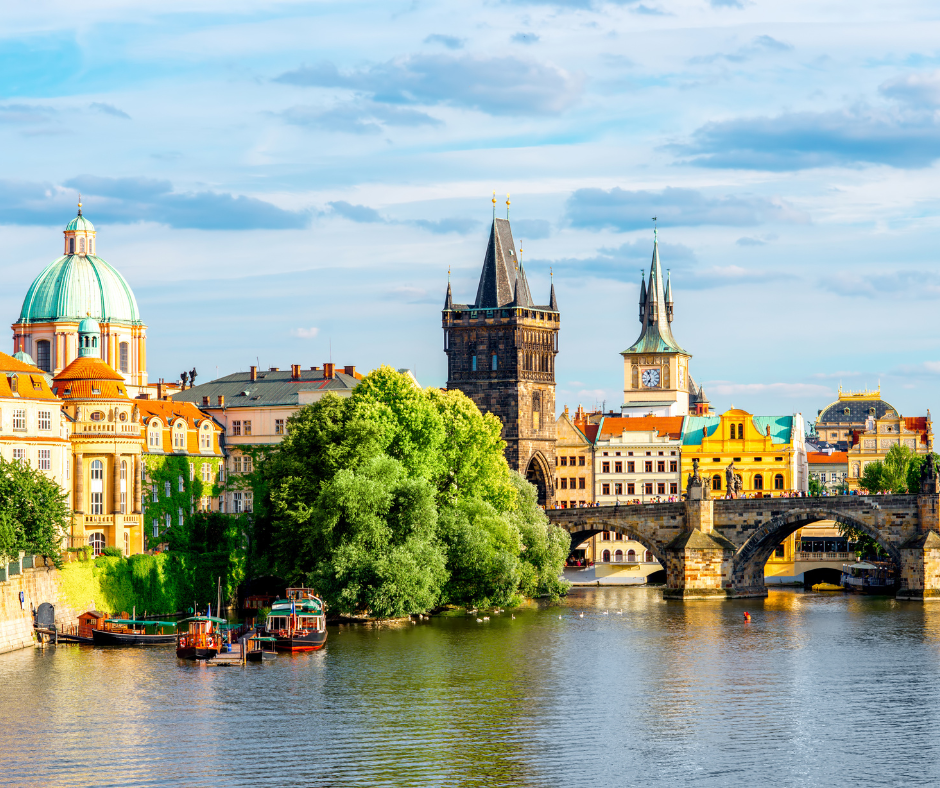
(79,284)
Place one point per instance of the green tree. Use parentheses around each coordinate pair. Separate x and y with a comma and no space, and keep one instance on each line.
(34,516)
(874,479)
(816,487)
(864,545)
(895,469)
(915,468)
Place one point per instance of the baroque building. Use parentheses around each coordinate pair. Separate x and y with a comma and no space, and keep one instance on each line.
(656,379)
(501,353)
(81,284)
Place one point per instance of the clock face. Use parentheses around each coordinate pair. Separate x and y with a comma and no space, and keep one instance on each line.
(651,378)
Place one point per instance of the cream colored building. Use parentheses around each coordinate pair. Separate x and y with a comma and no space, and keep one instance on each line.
(574,460)
(638,459)
(873,443)
(33,428)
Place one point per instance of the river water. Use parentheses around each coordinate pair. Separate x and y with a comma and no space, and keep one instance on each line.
(814,691)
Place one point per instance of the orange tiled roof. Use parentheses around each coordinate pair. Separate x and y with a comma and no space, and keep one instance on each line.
(664,426)
(170,410)
(27,386)
(820,457)
(10,364)
(88,368)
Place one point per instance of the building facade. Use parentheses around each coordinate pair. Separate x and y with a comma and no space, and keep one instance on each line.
(106,446)
(850,412)
(33,428)
(501,353)
(767,454)
(182,465)
(574,457)
(656,379)
(874,441)
(830,469)
(638,459)
(81,284)
(252,409)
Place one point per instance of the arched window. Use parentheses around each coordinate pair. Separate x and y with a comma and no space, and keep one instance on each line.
(758,482)
(473,363)
(778,481)
(618,556)
(716,481)
(124,488)
(72,245)
(43,360)
(97,469)
(81,246)
(125,352)
(96,540)
(648,558)
(606,557)
(631,556)
(733,432)
(94,341)
(494,361)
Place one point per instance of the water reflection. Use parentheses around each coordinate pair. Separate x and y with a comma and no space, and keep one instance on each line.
(612,687)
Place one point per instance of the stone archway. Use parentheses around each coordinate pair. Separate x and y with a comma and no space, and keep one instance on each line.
(579,537)
(749,561)
(539,474)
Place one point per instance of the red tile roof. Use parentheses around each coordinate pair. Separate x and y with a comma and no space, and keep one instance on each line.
(664,426)
(820,457)
(10,364)
(88,369)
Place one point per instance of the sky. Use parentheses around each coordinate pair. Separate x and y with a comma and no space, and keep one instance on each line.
(290,182)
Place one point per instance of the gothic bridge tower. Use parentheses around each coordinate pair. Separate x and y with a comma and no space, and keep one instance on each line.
(501,353)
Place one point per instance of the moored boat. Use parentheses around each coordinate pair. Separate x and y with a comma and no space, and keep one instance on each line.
(128,632)
(828,587)
(297,623)
(260,648)
(865,577)
(202,638)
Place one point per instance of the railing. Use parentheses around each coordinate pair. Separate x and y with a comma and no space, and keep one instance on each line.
(106,426)
(801,556)
(624,560)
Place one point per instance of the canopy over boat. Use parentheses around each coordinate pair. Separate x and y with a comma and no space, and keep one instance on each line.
(203,618)
(136,622)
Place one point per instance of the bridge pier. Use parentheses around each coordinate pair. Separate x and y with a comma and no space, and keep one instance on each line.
(920,568)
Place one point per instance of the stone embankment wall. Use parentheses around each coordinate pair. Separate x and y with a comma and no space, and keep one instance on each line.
(38,585)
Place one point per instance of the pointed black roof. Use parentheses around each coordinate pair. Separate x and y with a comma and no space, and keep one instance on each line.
(553,302)
(497,282)
(449,300)
(656,336)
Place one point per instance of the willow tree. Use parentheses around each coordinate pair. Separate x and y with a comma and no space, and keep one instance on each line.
(34,515)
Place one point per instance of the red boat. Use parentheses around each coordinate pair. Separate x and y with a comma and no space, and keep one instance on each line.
(297,623)
(202,638)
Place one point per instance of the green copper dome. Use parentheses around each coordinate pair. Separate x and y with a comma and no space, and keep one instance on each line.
(81,224)
(76,286)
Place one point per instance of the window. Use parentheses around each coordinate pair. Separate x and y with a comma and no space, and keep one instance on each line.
(661,488)
(97,543)
(631,467)
(97,470)
(631,488)
(605,489)
(153,493)
(45,419)
(606,557)
(473,363)
(192,471)
(758,482)
(493,362)
(237,463)
(81,246)
(127,543)
(236,502)
(631,556)
(564,483)
(564,461)
(822,477)
(43,356)
(169,520)
(572,482)
(97,415)
(156,528)
(618,488)
(206,472)
(571,461)
(605,467)
(279,426)
(605,536)
(618,467)
(72,245)
(124,353)
(248,501)
(673,488)
(97,503)
(648,488)
(660,467)
(19,454)
(581,461)
(648,466)
(179,438)
(778,481)
(19,420)
(181,488)
(673,466)
(581,483)
(154,439)
(733,432)
(45,459)
(166,489)
(236,428)
(779,551)
(179,514)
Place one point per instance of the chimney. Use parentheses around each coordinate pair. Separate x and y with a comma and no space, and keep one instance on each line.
(160,389)
(350,369)
(253,372)
(221,400)
(328,371)
(295,371)
(314,369)
(205,401)
(274,369)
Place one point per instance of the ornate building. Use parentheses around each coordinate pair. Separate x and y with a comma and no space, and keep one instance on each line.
(77,285)
(656,379)
(501,353)
(106,449)
(574,472)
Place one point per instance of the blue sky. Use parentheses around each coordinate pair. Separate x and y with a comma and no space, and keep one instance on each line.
(278,182)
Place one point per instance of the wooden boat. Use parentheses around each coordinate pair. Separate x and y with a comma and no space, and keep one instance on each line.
(128,632)
(260,648)
(201,639)
(298,623)
(828,587)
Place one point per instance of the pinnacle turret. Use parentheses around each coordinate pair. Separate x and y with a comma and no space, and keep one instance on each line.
(642,296)
(655,312)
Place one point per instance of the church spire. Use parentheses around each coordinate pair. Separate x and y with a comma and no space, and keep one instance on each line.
(642,296)
(668,295)
(655,312)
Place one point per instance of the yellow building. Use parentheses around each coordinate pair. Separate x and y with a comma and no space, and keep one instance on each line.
(767,454)
(574,460)
(106,450)
(873,443)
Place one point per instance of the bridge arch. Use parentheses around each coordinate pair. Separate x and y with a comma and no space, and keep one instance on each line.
(750,559)
(615,526)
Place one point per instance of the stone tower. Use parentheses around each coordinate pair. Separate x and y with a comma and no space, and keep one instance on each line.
(501,353)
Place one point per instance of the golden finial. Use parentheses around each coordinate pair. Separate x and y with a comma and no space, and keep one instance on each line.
(79,203)
(448,274)
(494,205)
(507,206)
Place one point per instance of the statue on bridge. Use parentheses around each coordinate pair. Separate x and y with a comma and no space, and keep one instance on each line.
(929,481)
(734,484)
(696,488)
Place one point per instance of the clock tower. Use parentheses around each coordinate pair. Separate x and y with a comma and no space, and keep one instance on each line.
(655,368)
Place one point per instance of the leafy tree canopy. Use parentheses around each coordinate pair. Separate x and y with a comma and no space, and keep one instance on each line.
(34,516)
(398,499)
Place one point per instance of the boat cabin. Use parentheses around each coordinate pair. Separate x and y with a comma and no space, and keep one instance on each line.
(90,620)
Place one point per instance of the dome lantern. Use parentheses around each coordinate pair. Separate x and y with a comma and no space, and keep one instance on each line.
(89,338)
(80,235)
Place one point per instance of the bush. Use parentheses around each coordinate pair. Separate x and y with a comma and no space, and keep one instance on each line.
(113,552)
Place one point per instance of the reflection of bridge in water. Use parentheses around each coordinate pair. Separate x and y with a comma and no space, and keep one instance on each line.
(718,548)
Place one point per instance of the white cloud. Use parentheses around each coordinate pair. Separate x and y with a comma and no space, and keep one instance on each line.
(305,333)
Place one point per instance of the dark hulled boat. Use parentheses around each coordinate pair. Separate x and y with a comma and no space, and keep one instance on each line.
(297,623)
(202,638)
(259,648)
(127,632)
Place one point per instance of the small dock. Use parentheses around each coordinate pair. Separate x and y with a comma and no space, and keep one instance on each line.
(234,656)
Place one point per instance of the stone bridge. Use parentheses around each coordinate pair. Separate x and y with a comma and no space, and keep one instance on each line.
(718,548)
